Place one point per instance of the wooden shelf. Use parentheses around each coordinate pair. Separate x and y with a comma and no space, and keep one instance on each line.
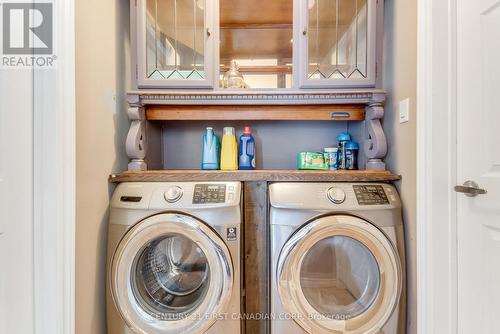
(271,69)
(241,12)
(256,26)
(256,112)
(254,175)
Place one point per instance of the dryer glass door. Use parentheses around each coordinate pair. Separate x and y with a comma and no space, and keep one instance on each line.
(339,274)
(171,273)
(340,277)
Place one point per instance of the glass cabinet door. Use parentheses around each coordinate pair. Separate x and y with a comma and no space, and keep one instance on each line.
(336,43)
(175,43)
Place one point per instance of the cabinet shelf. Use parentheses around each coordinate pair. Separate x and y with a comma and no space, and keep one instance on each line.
(254,175)
(256,112)
(271,69)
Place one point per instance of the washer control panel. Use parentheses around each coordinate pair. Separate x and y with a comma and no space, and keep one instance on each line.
(370,195)
(209,193)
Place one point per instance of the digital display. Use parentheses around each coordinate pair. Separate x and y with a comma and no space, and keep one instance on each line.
(209,193)
(370,195)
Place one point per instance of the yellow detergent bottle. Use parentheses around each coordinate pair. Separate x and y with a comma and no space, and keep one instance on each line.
(229,152)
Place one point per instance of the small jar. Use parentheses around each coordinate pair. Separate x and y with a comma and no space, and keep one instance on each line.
(233,77)
(331,157)
(351,155)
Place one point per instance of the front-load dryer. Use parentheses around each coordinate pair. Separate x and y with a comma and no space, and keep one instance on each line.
(174,258)
(337,255)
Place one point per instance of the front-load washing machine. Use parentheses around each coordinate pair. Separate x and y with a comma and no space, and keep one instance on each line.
(174,258)
(337,256)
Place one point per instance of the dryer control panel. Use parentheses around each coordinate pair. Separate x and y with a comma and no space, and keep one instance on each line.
(370,195)
(209,193)
(336,196)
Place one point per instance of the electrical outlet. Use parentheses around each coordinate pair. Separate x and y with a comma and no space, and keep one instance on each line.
(404,111)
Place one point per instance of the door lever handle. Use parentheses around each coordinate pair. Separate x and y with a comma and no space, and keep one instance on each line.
(470,189)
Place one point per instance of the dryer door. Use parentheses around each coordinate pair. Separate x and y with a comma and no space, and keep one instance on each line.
(339,274)
(171,273)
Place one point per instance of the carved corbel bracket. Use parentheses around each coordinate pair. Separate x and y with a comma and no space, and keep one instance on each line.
(136,138)
(376,144)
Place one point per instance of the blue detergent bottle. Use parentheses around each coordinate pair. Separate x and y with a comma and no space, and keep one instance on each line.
(210,159)
(246,150)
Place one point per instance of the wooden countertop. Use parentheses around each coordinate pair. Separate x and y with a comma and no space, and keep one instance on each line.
(254,175)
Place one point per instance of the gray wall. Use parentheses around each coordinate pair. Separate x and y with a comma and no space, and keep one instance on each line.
(102,70)
(277,143)
(400,68)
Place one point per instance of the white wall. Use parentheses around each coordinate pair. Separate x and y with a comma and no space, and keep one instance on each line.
(400,67)
(102,71)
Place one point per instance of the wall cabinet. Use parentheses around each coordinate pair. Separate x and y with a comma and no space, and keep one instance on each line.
(175,43)
(301,59)
(335,43)
(287,44)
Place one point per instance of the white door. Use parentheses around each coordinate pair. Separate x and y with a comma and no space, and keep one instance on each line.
(478,76)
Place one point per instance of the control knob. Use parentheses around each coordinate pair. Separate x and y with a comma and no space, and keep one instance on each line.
(173,194)
(336,195)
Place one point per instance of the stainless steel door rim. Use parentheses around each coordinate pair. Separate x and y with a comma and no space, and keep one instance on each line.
(214,301)
(291,291)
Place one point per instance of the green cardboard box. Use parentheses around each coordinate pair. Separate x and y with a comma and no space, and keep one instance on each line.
(311,160)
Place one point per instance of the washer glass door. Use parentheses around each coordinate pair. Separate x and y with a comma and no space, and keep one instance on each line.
(171,277)
(171,274)
(339,274)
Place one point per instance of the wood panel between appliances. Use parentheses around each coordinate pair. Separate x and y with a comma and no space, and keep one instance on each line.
(256,112)
(256,266)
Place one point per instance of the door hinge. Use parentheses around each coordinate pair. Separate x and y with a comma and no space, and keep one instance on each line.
(137,72)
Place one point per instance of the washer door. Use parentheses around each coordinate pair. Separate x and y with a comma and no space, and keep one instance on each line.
(171,274)
(339,274)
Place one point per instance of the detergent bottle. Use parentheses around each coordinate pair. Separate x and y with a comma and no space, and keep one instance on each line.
(229,155)
(246,153)
(343,138)
(211,150)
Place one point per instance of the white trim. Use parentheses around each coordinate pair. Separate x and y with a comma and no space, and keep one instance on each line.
(54,182)
(436,168)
